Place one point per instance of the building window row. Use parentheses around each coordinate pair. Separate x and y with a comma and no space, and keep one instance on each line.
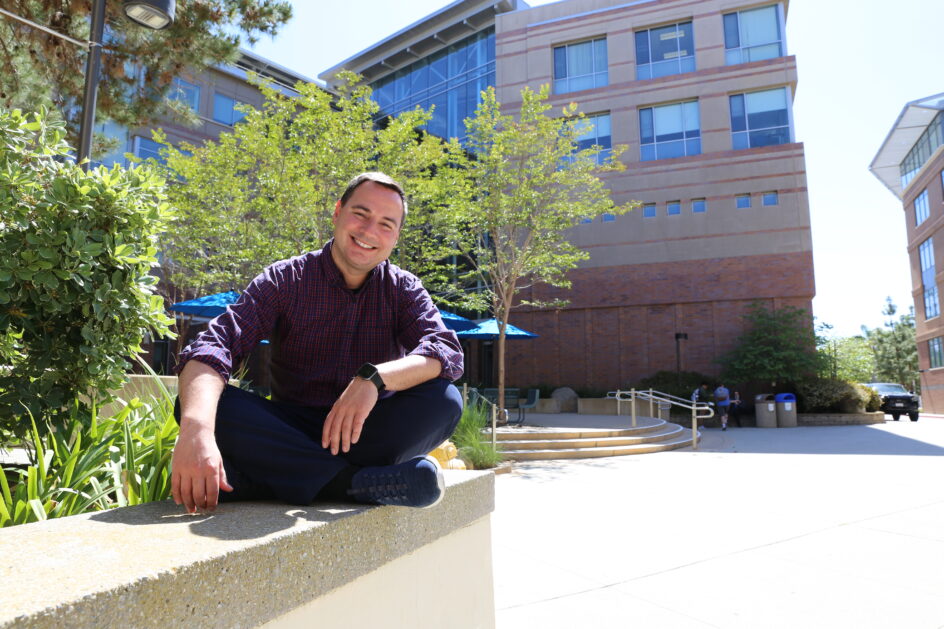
(760,119)
(936,352)
(926,258)
(750,35)
(669,131)
(922,150)
(674,208)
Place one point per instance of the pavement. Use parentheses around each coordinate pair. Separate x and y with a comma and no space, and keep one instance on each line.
(835,526)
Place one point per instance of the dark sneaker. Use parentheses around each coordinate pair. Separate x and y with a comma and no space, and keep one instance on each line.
(418,482)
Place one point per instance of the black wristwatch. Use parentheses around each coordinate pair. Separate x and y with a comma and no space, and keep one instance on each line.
(370,372)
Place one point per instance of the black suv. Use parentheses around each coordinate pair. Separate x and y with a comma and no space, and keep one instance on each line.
(896,400)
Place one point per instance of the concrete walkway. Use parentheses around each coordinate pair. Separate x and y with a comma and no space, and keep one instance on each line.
(760,528)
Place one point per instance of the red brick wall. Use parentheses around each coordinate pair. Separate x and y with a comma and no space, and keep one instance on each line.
(621,322)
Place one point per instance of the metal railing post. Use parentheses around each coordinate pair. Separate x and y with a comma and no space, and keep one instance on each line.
(618,400)
(694,428)
(465,394)
(650,403)
(633,398)
(494,425)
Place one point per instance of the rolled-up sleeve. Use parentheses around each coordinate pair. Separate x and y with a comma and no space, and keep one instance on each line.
(232,335)
(423,333)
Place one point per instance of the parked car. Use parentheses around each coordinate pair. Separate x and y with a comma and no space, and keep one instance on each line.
(897,400)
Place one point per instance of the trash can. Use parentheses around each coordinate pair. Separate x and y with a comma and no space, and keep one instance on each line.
(786,410)
(765,410)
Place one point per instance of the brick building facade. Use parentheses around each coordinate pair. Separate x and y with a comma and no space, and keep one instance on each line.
(701,93)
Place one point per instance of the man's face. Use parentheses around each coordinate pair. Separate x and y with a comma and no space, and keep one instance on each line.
(366,229)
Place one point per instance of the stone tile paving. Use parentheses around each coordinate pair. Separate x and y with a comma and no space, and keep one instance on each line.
(800,527)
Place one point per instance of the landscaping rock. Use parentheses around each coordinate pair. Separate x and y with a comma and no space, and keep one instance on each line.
(567,398)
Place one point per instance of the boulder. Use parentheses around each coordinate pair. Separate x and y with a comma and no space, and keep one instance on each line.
(567,398)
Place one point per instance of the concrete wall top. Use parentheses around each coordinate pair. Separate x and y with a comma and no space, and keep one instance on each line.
(247,563)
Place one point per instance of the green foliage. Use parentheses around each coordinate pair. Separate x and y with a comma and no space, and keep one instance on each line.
(778,345)
(76,250)
(680,385)
(474,445)
(831,395)
(874,402)
(138,64)
(267,190)
(526,187)
(93,464)
(848,358)
(894,349)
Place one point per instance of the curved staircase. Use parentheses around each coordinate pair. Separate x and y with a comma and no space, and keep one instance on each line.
(530,443)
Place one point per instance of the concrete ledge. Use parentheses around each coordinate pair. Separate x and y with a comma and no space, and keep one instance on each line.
(249,564)
(607,406)
(840,419)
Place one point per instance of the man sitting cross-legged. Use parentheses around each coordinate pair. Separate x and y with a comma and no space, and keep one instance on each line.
(361,370)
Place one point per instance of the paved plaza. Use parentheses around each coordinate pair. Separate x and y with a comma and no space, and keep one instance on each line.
(759,528)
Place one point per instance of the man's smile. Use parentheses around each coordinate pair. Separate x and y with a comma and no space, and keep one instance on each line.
(361,244)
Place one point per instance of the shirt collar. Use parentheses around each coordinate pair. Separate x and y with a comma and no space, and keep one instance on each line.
(334,273)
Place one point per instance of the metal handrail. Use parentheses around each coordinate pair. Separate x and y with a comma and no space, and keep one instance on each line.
(466,392)
(699,410)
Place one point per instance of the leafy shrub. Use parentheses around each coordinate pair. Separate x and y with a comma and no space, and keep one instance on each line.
(76,296)
(474,445)
(93,464)
(874,402)
(830,395)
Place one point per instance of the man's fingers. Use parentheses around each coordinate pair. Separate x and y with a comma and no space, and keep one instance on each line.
(224,483)
(346,428)
(356,429)
(326,431)
(175,486)
(212,491)
(186,495)
(199,492)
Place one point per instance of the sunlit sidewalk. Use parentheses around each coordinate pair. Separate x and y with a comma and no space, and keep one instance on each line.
(799,527)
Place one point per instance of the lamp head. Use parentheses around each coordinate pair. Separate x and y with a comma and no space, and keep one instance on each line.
(154,14)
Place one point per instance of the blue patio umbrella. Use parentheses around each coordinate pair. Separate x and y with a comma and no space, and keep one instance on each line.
(456,322)
(207,306)
(488,330)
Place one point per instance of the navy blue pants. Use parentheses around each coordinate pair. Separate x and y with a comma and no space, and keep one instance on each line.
(273,449)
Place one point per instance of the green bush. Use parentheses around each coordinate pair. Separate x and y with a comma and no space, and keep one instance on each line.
(474,445)
(92,463)
(874,402)
(76,294)
(830,395)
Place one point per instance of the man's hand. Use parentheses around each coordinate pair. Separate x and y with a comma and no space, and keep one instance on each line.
(197,474)
(344,423)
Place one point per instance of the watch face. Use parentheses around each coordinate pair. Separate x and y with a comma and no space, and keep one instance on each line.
(367,371)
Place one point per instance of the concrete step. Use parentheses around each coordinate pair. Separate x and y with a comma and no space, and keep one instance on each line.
(553,441)
(515,433)
(658,437)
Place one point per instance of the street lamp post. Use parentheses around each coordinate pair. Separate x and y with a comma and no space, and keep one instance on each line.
(154,14)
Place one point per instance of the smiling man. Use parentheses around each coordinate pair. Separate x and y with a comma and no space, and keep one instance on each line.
(361,369)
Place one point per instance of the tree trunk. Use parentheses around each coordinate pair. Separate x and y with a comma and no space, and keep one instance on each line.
(501,364)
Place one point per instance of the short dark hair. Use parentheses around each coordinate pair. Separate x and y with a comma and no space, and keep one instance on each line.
(379,178)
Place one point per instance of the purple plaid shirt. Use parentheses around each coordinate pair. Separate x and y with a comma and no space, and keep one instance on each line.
(321,331)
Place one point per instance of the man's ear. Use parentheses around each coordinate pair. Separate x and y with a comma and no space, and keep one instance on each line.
(337,209)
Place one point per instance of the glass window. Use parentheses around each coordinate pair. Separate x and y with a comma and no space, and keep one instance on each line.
(224,110)
(649,210)
(921,208)
(699,206)
(595,131)
(921,152)
(664,51)
(760,119)
(580,66)
(186,92)
(752,35)
(743,201)
(609,218)
(771,198)
(936,352)
(146,148)
(673,208)
(586,220)
(450,81)
(669,131)
(926,259)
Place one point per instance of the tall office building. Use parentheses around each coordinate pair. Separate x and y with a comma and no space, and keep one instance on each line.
(701,93)
(911,164)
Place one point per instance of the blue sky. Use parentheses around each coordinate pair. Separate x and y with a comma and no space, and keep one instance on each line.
(859,62)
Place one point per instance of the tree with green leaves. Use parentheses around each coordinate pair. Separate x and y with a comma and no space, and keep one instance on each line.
(138,64)
(76,293)
(266,191)
(893,347)
(778,346)
(528,186)
(848,358)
